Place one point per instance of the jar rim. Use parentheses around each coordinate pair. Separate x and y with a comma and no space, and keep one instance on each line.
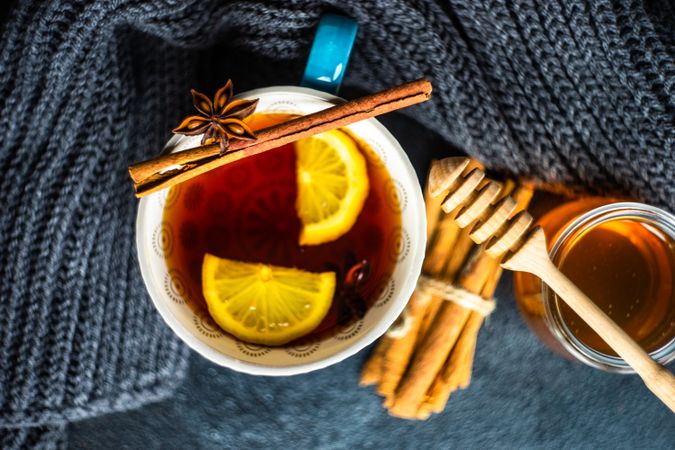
(658,218)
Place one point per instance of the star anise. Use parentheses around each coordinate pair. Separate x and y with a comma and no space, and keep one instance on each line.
(350,280)
(220,120)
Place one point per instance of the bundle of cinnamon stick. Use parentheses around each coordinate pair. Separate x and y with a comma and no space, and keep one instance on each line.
(429,353)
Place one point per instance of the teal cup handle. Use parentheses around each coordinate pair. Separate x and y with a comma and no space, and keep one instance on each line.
(330,52)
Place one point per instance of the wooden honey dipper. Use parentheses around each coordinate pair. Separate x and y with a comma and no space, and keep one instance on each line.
(471,197)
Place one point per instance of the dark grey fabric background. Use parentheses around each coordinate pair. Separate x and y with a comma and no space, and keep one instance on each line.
(522,396)
(580,92)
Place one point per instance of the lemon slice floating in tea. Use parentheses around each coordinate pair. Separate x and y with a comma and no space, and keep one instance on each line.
(265,304)
(332,186)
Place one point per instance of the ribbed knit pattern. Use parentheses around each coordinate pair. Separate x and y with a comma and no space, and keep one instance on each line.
(564,91)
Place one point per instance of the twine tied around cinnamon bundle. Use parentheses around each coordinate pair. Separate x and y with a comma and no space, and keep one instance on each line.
(427,288)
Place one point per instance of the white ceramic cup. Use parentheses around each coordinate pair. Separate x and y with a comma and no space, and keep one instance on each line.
(154,238)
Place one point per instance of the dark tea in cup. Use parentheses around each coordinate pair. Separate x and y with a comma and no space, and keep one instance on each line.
(247,211)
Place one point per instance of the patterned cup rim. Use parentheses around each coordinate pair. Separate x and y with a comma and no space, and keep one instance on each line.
(200,333)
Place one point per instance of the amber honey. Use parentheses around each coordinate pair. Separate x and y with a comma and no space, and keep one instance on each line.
(246,211)
(625,262)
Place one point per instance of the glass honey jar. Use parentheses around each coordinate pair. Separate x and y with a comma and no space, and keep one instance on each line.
(622,255)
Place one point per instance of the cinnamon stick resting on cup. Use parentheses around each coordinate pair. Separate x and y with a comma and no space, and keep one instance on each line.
(168,170)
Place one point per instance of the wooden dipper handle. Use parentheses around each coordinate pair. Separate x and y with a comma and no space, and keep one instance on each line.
(532,257)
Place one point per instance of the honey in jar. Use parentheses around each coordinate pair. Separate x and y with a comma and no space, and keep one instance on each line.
(622,255)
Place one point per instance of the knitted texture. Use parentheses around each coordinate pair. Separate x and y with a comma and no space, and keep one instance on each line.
(565,91)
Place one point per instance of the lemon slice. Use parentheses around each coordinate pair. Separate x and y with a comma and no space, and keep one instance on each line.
(332,186)
(265,304)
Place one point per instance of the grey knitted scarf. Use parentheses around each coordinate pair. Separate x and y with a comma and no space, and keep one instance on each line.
(578,92)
